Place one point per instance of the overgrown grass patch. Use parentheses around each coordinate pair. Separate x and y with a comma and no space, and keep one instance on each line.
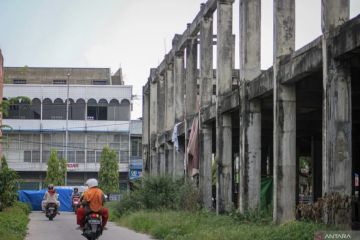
(13,222)
(168,224)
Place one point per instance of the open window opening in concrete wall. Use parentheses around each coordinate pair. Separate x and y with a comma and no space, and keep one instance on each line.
(235,156)
(267,160)
(213,165)
(309,138)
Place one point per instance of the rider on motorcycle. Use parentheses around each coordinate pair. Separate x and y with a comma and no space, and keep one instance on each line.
(75,194)
(50,197)
(93,200)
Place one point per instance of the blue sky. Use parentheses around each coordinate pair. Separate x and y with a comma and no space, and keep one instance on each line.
(133,34)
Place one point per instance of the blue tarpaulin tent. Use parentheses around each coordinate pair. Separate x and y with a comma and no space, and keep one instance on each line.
(35,198)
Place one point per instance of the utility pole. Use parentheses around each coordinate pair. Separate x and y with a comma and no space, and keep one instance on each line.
(67,123)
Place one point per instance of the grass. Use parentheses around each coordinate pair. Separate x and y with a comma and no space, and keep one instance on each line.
(181,225)
(13,222)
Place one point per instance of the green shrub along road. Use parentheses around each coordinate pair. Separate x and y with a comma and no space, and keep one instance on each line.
(13,222)
(168,209)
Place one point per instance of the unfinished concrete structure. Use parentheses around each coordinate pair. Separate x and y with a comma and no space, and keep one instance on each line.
(306,105)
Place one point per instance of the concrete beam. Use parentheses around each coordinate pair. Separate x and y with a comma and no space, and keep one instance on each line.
(284,111)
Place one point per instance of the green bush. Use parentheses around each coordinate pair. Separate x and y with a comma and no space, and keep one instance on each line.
(13,221)
(160,192)
(8,185)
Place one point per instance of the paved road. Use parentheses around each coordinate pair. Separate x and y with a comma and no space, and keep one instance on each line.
(63,227)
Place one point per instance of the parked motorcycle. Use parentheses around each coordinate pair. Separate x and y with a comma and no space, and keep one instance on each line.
(51,211)
(75,203)
(93,226)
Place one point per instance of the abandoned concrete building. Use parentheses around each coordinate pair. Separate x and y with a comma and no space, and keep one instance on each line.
(255,122)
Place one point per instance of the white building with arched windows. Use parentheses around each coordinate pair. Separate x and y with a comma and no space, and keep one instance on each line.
(98,114)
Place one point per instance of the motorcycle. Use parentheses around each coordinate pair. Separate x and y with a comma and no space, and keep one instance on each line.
(93,226)
(51,211)
(75,203)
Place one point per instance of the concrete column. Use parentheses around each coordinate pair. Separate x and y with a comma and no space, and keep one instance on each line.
(178,162)
(250,111)
(154,162)
(161,112)
(191,76)
(337,124)
(179,91)
(284,116)
(153,124)
(161,161)
(223,121)
(206,91)
(179,82)
(146,128)
(169,155)
(170,114)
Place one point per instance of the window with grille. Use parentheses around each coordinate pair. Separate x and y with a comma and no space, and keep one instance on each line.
(59,81)
(19,81)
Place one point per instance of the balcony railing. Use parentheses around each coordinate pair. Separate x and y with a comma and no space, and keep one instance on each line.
(76,167)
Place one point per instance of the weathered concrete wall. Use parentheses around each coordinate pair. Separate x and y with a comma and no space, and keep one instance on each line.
(37,75)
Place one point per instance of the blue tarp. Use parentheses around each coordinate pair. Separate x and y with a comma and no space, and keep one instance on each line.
(35,198)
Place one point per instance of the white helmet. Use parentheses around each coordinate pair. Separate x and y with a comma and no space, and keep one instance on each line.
(92,182)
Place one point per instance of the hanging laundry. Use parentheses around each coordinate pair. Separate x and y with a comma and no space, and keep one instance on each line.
(193,149)
(174,137)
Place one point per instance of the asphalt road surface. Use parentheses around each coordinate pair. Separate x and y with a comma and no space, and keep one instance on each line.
(63,227)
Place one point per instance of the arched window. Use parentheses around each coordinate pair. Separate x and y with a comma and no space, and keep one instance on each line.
(102,109)
(59,109)
(78,110)
(92,109)
(124,110)
(113,110)
(35,108)
(47,108)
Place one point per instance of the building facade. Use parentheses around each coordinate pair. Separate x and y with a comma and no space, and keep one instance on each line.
(97,114)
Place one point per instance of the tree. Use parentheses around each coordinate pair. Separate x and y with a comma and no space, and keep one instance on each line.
(55,170)
(8,185)
(63,169)
(109,171)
